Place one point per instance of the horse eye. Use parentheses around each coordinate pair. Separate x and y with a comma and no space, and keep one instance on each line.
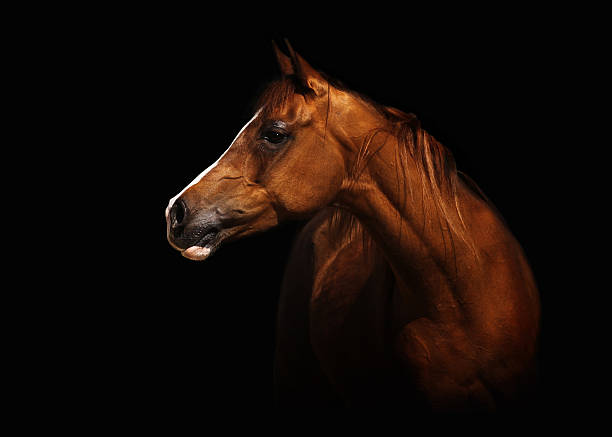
(274,137)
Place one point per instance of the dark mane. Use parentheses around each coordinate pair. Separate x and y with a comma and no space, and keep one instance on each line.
(417,150)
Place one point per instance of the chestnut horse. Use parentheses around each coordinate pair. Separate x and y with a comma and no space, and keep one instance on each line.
(405,287)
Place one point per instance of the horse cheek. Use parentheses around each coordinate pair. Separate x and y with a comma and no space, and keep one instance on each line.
(305,190)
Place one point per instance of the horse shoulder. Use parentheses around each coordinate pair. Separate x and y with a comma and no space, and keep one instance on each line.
(487,356)
(509,307)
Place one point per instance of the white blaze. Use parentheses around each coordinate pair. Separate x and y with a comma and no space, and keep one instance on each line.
(205,172)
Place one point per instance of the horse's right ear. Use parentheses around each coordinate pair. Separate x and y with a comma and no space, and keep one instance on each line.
(284,62)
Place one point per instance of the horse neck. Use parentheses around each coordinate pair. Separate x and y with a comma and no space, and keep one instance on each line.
(386,192)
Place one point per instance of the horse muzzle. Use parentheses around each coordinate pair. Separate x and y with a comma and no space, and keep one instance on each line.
(198,233)
(195,233)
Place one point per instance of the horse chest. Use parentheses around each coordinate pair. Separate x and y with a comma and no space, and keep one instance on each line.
(349,316)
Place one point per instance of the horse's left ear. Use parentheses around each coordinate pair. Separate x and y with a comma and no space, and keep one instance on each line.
(307,76)
(284,62)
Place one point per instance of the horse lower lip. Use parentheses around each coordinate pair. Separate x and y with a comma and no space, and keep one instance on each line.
(197,253)
(203,248)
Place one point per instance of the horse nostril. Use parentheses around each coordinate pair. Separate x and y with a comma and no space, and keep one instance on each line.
(177,213)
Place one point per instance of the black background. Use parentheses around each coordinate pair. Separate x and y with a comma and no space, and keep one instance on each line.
(158,98)
(481,97)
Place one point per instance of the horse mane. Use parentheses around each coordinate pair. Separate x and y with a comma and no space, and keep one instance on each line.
(434,164)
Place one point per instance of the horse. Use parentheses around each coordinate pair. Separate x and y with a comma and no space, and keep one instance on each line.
(404,288)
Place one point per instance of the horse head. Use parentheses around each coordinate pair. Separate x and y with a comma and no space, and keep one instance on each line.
(284,163)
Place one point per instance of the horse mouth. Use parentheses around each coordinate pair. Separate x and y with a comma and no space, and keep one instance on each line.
(204,247)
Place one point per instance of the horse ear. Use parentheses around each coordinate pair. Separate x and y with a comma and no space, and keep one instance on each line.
(307,76)
(284,62)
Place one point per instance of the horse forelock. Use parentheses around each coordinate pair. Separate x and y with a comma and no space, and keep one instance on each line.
(276,96)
